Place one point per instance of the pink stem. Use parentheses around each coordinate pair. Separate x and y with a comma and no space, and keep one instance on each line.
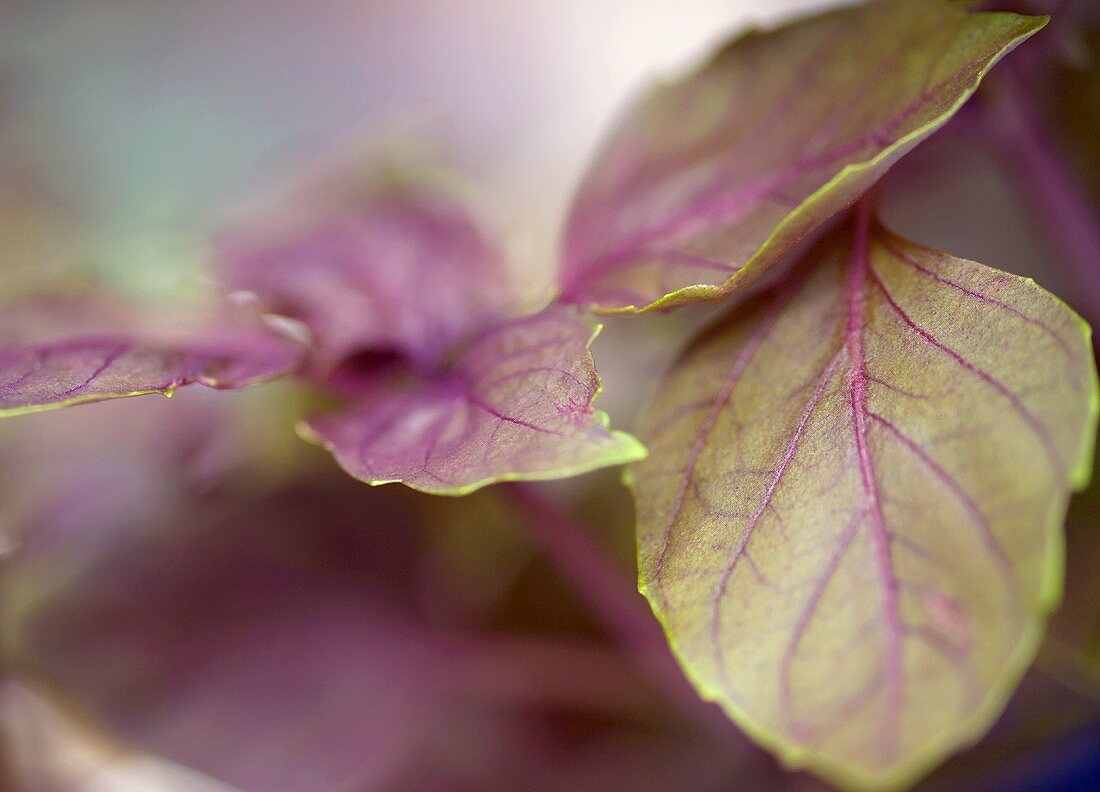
(600,583)
(1048,182)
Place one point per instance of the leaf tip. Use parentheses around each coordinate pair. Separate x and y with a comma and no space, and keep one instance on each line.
(634,450)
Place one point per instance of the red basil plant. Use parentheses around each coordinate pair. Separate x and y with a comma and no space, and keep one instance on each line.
(850,487)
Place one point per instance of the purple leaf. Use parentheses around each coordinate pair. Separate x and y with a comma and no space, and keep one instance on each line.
(294,639)
(93,368)
(851,520)
(515,404)
(270,641)
(713,178)
(399,270)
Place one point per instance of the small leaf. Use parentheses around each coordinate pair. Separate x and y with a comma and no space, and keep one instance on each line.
(516,404)
(93,368)
(400,270)
(850,519)
(712,179)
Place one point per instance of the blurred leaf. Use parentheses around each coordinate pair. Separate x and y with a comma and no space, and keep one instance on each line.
(515,405)
(712,179)
(48,747)
(267,639)
(271,638)
(398,270)
(1068,96)
(850,521)
(94,368)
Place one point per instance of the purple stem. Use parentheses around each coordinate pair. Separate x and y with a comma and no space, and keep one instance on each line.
(603,588)
(1048,182)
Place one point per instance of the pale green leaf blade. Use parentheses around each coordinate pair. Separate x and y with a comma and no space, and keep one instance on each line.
(850,517)
(711,179)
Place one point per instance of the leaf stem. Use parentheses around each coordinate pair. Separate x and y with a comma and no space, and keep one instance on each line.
(1047,181)
(603,588)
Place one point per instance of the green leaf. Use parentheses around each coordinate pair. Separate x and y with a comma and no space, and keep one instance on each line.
(710,180)
(850,518)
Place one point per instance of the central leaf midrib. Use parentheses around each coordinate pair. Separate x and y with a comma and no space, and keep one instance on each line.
(855,288)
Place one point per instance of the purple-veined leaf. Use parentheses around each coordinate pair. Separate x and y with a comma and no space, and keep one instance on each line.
(398,270)
(516,403)
(712,179)
(850,518)
(35,377)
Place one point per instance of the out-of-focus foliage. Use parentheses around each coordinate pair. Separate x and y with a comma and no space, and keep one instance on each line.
(296,634)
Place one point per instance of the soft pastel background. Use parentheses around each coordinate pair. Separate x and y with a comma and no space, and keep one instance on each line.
(224,607)
(136,123)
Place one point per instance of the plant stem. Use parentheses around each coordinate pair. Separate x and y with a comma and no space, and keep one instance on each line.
(599,582)
(1048,182)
